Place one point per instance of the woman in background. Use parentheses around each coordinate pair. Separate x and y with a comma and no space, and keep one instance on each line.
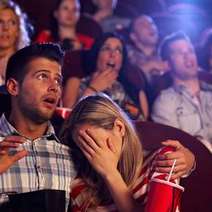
(63,27)
(13,33)
(105,73)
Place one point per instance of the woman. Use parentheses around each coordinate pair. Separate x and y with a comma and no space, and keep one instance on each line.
(13,33)
(63,27)
(105,67)
(108,158)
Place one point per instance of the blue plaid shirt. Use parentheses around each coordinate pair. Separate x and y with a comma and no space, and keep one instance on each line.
(48,164)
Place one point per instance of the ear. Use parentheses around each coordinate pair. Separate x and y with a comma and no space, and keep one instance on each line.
(12,87)
(119,127)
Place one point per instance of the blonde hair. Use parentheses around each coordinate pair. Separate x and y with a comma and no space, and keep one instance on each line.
(23,38)
(99,110)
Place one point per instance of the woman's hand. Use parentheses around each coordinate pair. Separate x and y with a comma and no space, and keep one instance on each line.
(7,160)
(102,80)
(101,154)
(185,160)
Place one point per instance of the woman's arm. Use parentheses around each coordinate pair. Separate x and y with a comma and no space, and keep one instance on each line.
(143,102)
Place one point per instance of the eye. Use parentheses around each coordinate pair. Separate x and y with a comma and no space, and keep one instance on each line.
(59,81)
(119,50)
(42,76)
(105,48)
(12,23)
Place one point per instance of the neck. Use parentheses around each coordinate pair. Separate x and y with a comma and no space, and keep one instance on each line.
(27,127)
(148,50)
(192,85)
(67,32)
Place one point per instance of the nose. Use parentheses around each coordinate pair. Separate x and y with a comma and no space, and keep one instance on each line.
(54,86)
(112,52)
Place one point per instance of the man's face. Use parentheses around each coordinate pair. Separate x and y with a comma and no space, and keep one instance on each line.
(182,60)
(40,91)
(145,30)
(9,29)
(68,13)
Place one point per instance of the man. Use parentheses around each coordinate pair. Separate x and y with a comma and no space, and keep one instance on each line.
(142,49)
(187,104)
(33,81)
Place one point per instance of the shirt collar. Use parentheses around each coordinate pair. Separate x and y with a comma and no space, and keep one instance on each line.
(7,129)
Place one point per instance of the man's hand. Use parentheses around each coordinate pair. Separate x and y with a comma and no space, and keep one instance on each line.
(6,160)
(184,160)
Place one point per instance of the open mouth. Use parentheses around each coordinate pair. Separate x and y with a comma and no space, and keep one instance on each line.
(111,65)
(50,102)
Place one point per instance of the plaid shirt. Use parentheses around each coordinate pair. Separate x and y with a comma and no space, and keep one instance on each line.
(47,166)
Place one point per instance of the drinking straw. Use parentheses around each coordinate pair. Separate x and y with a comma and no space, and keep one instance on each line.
(172,169)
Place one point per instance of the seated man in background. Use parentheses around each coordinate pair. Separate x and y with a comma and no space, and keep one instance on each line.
(142,48)
(187,104)
(33,81)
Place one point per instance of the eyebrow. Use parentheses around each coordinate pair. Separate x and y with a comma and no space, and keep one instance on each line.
(47,71)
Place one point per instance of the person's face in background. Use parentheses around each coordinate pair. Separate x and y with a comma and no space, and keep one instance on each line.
(68,13)
(183,60)
(145,31)
(38,94)
(110,55)
(9,29)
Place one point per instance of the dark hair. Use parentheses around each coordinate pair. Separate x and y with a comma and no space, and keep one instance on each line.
(92,56)
(16,67)
(164,48)
(54,23)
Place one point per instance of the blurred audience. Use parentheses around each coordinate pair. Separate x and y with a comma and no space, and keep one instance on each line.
(142,48)
(13,33)
(105,16)
(187,103)
(205,51)
(63,27)
(105,66)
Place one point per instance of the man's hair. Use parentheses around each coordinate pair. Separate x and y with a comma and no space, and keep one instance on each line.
(16,67)
(164,48)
